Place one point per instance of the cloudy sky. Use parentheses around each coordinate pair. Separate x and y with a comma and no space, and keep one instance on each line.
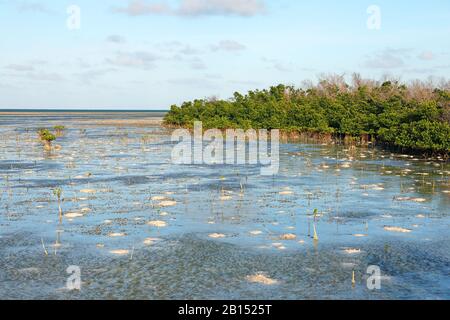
(154,53)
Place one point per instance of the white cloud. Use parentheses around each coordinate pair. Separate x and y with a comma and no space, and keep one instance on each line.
(221,7)
(27,6)
(40,76)
(228,45)
(139,8)
(139,59)
(88,76)
(198,64)
(114,38)
(278,65)
(245,8)
(20,67)
(388,59)
(426,55)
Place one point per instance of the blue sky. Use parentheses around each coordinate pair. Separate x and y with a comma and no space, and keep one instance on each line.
(151,54)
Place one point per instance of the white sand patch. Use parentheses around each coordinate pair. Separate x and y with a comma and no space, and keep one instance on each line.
(217,235)
(157,223)
(360,235)
(167,203)
(116,234)
(255,232)
(288,236)
(120,252)
(352,251)
(397,229)
(149,241)
(158,198)
(73,215)
(418,200)
(90,191)
(262,278)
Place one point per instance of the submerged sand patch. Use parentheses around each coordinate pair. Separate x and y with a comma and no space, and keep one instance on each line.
(261,278)
(397,229)
(120,252)
(167,203)
(158,198)
(217,235)
(157,223)
(116,235)
(288,236)
(352,251)
(73,215)
(89,191)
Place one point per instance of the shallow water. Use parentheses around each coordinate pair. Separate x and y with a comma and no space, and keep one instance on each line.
(109,173)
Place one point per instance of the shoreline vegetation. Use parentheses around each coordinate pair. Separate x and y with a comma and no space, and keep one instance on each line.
(412,118)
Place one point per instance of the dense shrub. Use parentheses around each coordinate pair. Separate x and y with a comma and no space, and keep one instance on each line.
(414,117)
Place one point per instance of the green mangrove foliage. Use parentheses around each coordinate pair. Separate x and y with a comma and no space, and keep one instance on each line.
(59,130)
(58,193)
(46,138)
(414,117)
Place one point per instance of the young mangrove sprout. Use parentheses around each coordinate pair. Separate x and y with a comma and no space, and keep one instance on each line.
(58,192)
(43,246)
(59,130)
(316,237)
(353,279)
(46,138)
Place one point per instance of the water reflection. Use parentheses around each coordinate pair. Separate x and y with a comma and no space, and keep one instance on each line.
(140,227)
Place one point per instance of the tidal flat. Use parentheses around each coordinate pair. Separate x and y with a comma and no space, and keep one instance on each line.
(140,227)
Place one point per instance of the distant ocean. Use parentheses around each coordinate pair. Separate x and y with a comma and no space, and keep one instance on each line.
(35,116)
(84,110)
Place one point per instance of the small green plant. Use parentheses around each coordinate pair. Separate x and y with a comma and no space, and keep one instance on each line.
(58,193)
(59,130)
(46,137)
(316,213)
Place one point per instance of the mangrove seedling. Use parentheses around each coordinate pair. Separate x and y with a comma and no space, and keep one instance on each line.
(316,213)
(58,192)
(46,138)
(353,279)
(59,130)
(316,237)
